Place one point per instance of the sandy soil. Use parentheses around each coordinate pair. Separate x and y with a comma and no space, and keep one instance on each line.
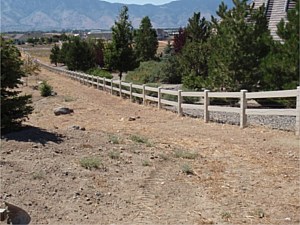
(155,168)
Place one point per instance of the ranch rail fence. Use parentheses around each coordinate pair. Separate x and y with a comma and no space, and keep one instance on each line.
(158,95)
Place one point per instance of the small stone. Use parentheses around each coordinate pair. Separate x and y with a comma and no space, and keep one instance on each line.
(74,127)
(131,118)
(287,219)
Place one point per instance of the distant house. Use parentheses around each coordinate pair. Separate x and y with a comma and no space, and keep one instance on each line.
(275,11)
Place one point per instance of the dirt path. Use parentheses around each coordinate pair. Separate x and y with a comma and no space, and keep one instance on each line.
(157,169)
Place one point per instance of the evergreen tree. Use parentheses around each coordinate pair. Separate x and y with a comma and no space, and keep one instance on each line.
(79,55)
(195,53)
(98,51)
(54,56)
(14,107)
(146,42)
(240,43)
(281,66)
(120,54)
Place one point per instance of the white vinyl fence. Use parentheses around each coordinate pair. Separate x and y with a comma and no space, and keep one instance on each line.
(158,95)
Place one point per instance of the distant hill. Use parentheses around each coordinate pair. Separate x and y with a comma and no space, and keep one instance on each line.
(24,15)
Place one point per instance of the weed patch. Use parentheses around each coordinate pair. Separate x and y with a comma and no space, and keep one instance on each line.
(90,163)
(185,154)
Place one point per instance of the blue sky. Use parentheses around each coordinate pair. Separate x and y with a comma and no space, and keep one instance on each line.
(141,2)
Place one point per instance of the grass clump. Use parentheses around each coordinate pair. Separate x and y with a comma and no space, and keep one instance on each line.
(146,163)
(114,155)
(139,139)
(185,154)
(90,163)
(45,89)
(163,157)
(187,169)
(113,139)
(38,175)
(226,216)
(69,98)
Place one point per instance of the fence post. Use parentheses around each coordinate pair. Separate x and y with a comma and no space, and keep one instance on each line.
(111,86)
(159,97)
(298,112)
(130,92)
(179,110)
(144,94)
(206,104)
(120,87)
(83,75)
(97,83)
(104,83)
(243,107)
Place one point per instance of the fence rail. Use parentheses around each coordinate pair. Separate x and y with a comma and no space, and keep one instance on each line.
(164,97)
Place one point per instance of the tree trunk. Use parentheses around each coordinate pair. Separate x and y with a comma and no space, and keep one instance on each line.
(120,75)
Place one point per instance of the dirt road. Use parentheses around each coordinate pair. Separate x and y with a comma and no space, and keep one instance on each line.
(153,167)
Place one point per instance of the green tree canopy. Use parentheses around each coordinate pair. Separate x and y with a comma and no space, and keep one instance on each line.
(281,66)
(77,54)
(119,54)
(195,53)
(240,43)
(14,107)
(146,42)
(54,56)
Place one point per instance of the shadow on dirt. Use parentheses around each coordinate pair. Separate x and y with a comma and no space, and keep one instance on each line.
(17,215)
(33,134)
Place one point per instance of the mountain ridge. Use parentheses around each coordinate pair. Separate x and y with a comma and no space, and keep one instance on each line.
(20,15)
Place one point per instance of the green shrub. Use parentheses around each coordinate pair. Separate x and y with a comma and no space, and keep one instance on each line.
(146,163)
(185,154)
(90,162)
(147,72)
(100,73)
(187,169)
(139,139)
(114,155)
(113,139)
(45,89)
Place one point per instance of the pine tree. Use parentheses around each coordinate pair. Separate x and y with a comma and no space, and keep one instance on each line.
(14,107)
(146,42)
(194,54)
(54,56)
(119,54)
(239,45)
(281,66)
